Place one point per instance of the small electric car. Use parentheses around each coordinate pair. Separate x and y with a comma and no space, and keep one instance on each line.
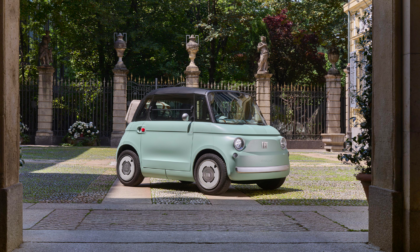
(208,137)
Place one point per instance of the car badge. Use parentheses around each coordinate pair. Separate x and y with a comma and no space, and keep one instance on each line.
(264,145)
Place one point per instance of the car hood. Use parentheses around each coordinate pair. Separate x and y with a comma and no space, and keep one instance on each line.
(217,128)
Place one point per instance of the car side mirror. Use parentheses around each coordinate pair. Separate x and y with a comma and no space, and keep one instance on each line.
(185,117)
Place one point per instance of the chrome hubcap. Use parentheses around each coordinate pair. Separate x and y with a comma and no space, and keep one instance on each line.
(126,168)
(208,174)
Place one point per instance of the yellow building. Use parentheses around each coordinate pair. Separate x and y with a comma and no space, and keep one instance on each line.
(355,9)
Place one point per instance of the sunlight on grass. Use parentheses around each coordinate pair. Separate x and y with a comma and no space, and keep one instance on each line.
(66,153)
(311,182)
(302,158)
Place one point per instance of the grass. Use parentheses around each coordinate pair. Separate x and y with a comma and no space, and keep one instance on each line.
(303,158)
(65,184)
(65,153)
(312,184)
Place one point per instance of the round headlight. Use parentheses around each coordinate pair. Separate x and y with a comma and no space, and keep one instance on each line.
(239,144)
(283,143)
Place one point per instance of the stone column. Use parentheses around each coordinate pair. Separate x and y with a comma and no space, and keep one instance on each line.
(120,93)
(263,93)
(10,189)
(44,134)
(394,196)
(333,138)
(192,73)
(348,128)
(120,106)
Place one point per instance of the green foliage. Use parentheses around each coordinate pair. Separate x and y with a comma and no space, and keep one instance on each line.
(360,145)
(294,56)
(82,34)
(325,18)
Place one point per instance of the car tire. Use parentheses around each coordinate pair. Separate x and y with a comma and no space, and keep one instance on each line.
(210,175)
(128,168)
(271,184)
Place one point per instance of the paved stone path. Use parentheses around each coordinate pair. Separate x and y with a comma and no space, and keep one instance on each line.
(147,227)
(165,215)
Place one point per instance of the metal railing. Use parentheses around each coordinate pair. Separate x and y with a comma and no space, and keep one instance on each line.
(298,112)
(82,100)
(28,91)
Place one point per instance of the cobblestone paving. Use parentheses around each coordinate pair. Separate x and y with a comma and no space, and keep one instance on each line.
(62,220)
(244,221)
(189,221)
(315,222)
(166,191)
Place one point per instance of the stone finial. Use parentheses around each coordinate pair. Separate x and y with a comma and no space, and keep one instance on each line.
(45,53)
(263,62)
(192,48)
(333,56)
(120,45)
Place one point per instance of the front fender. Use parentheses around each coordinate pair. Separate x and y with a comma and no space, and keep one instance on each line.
(222,144)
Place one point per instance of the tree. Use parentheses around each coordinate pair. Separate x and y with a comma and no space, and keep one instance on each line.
(294,56)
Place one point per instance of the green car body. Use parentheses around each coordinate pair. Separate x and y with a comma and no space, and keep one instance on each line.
(170,149)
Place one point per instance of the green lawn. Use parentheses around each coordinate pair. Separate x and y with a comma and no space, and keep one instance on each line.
(65,183)
(302,158)
(65,153)
(312,183)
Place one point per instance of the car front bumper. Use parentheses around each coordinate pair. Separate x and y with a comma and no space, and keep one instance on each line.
(263,169)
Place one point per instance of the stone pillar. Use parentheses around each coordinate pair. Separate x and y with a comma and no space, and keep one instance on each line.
(192,78)
(333,138)
(44,134)
(394,196)
(120,106)
(192,73)
(348,128)
(263,93)
(119,109)
(10,189)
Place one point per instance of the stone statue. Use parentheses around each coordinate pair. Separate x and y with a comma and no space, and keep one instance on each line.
(192,48)
(263,62)
(45,53)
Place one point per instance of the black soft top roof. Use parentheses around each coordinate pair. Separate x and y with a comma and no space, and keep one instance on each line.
(183,90)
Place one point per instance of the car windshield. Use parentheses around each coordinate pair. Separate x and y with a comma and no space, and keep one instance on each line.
(235,108)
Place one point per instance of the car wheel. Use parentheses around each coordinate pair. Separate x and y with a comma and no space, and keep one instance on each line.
(186,182)
(271,184)
(128,168)
(210,175)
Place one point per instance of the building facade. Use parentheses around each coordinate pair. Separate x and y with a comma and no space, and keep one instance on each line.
(355,9)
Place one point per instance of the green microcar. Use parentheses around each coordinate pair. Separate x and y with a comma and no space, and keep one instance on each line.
(208,137)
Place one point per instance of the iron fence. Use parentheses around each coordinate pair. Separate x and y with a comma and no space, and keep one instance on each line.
(245,87)
(297,112)
(137,88)
(343,109)
(28,91)
(82,100)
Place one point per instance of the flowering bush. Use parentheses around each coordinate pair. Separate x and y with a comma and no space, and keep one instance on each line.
(23,128)
(24,138)
(82,129)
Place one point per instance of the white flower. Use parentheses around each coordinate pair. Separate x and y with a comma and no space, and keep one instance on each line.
(88,131)
(70,131)
(91,124)
(97,131)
